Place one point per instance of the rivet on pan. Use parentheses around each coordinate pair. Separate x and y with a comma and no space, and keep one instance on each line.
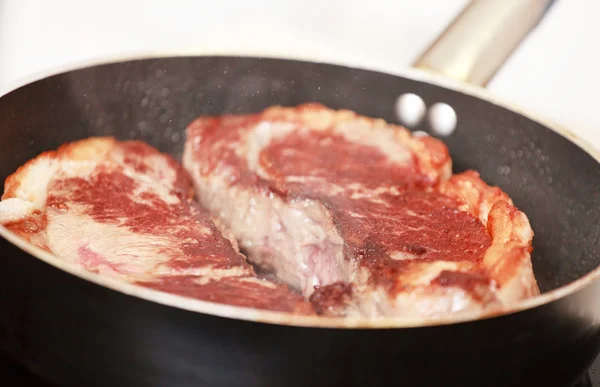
(420,133)
(442,119)
(410,109)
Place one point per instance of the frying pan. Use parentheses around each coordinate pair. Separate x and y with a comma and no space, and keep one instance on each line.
(76,328)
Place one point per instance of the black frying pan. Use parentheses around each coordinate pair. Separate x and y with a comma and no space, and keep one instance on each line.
(75,328)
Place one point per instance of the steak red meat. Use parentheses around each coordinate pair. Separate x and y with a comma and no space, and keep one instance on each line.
(123,209)
(362,217)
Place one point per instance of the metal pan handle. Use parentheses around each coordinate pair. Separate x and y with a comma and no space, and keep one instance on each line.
(480,39)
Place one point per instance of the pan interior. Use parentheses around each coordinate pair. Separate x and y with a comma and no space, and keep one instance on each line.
(552,180)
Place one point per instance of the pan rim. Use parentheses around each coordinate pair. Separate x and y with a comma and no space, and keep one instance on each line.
(280,318)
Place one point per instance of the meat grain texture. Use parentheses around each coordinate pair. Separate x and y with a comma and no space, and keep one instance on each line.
(124,210)
(359,215)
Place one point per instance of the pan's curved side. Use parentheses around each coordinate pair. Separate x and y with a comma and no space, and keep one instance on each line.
(76,332)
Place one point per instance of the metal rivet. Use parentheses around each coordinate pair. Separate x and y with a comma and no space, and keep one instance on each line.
(420,133)
(410,109)
(442,119)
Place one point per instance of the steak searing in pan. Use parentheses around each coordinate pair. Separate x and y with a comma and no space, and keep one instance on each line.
(361,216)
(123,209)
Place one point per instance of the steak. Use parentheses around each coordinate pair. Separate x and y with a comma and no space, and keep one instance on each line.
(123,209)
(362,217)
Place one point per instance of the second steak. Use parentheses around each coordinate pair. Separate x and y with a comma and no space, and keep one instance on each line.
(360,215)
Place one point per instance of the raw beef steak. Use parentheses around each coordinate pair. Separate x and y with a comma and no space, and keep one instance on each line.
(123,209)
(361,216)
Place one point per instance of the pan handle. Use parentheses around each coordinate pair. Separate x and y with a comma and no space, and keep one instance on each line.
(480,39)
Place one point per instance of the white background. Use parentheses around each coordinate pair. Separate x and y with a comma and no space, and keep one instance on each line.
(554,73)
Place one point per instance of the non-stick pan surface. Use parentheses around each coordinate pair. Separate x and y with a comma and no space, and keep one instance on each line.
(78,333)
